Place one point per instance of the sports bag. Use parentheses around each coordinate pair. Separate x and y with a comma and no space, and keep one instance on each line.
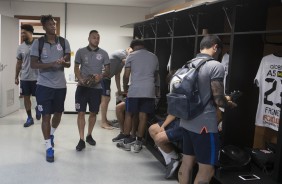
(184,99)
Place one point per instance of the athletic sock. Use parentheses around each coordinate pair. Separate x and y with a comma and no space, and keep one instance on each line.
(52,130)
(173,155)
(48,144)
(166,156)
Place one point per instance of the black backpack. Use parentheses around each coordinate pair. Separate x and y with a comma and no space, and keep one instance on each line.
(41,44)
(184,99)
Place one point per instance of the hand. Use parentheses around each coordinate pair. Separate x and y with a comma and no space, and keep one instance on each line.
(162,129)
(97,78)
(231,104)
(16,81)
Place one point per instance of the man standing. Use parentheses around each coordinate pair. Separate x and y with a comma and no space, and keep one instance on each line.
(50,54)
(200,135)
(28,76)
(143,67)
(89,64)
(117,61)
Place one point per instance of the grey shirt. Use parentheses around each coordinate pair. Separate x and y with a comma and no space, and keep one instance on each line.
(143,65)
(23,54)
(92,62)
(116,62)
(211,70)
(51,77)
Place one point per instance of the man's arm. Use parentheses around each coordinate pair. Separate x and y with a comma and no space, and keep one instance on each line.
(18,69)
(168,120)
(34,64)
(117,79)
(157,83)
(218,94)
(106,72)
(77,73)
(126,75)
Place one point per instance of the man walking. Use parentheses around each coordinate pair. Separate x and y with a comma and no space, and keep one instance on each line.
(50,54)
(28,76)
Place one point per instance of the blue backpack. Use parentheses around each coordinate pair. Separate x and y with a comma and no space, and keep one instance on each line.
(184,99)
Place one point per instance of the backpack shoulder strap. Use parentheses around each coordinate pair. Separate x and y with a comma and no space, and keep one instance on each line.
(202,62)
(40,46)
(62,43)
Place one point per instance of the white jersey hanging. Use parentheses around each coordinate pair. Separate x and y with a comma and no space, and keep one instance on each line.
(269,81)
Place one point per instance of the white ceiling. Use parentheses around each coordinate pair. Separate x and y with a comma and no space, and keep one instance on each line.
(135,3)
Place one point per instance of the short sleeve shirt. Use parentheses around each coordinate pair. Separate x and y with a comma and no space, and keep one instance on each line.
(51,77)
(92,62)
(206,121)
(23,54)
(143,65)
(116,62)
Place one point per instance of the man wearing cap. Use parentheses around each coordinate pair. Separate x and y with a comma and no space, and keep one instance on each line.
(28,76)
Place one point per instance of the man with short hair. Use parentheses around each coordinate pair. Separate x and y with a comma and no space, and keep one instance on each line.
(92,64)
(200,135)
(51,90)
(117,61)
(28,76)
(142,67)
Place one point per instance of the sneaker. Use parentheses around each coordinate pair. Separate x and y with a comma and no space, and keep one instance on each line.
(119,138)
(29,122)
(126,143)
(136,148)
(81,145)
(112,122)
(50,155)
(116,126)
(37,113)
(171,168)
(52,140)
(90,140)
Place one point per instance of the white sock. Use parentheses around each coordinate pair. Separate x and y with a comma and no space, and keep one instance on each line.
(52,130)
(173,155)
(166,156)
(48,144)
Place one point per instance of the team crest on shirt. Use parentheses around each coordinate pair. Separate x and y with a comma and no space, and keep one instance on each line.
(59,47)
(99,56)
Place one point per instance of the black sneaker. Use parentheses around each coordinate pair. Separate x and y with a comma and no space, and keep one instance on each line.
(90,140)
(119,138)
(81,145)
(126,143)
(171,168)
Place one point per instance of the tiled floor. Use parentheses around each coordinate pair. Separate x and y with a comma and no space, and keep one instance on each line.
(22,156)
